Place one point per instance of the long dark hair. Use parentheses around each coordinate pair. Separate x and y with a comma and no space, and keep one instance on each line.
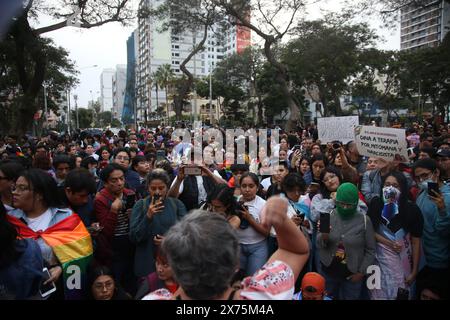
(376,204)
(41,182)
(94,272)
(8,235)
(225,195)
(323,188)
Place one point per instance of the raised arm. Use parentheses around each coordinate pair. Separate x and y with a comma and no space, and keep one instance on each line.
(293,248)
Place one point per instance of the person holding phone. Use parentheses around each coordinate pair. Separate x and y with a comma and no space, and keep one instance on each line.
(252,234)
(193,190)
(151,218)
(398,225)
(434,204)
(347,247)
(39,216)
(112,207)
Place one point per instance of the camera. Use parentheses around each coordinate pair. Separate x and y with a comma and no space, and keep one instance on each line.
(336,145)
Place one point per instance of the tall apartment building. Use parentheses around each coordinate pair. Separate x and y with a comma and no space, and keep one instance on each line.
(118,90)
(424,26)
(106,89)
(156,49)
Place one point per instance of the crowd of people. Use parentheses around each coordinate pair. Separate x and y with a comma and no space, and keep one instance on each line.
(139,220)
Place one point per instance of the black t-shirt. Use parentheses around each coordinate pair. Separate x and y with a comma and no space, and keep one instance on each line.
(409,217)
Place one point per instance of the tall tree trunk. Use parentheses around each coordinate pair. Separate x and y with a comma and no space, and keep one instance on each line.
(167,104)
(337,103)
(283,80)
(28,47)
(187,83)
(260,111)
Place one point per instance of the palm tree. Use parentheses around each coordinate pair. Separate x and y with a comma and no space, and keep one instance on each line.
(155,77)
(163,77)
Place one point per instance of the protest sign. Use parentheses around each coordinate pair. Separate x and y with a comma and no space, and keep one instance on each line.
(386,143)
(337,129)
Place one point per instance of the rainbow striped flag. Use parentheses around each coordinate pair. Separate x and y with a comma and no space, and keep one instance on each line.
(72,245)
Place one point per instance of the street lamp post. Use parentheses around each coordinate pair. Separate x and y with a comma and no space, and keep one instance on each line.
(45,85)
(68,110)
(210,95)
(76,111)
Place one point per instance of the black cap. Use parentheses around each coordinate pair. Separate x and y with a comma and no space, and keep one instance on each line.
(443,153)
(239,167)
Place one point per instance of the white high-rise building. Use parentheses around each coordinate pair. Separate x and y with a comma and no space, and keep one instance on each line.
(119,83)
(106,89)
(156,49)
(424,25)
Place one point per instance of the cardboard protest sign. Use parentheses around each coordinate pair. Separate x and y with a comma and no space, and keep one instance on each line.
(386,143)
(337,129)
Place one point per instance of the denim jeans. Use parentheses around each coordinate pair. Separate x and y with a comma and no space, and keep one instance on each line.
(253,257)
(272,245)
(343,289)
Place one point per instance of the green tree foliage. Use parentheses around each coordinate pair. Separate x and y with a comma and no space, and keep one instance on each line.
(325,54)
(164,76)
(275,20)
(85,117)
(60,74)
(425,76)
(28,51)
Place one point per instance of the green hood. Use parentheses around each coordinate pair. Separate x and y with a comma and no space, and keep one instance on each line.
(347,200)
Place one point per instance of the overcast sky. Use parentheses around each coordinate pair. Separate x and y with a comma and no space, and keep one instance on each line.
(105,47)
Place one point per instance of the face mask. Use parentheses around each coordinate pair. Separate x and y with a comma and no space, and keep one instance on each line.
(424,184)
(345,213)
(391,194)
(93,171)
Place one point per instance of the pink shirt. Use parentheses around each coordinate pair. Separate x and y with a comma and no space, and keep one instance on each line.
(274,281)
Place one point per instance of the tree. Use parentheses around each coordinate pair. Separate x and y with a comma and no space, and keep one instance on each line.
(85,117)
(29,54)
(164,77)
(235,81)
(105,118)
(424,75)
(180,16)
(60,74)
(272,33)
(324,55)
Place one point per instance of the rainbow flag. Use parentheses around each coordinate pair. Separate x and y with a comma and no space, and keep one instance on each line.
(72,245)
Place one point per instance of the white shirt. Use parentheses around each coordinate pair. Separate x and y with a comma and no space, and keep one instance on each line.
(40,223)
(250,235)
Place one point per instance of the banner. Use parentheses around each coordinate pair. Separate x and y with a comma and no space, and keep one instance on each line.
(386,143)
(337,129)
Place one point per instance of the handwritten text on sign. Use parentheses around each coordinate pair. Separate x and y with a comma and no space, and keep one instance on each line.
(386,143)
(336,129)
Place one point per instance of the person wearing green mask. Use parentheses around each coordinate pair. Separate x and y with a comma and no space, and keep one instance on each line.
(347,249)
